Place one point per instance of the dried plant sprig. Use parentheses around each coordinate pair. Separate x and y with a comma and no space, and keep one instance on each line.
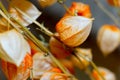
(51,34)
(38,43)
(115,20)
(94,66)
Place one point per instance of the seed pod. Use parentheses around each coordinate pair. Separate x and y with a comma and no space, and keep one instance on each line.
(13,72)
(73,30)
(108,38)
(41,64)
(81,62)
(107,74)
(57,48)
(13,47)
(115,3)
(80,9)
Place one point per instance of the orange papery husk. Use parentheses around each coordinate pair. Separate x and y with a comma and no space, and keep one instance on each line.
(57,48)
(80,9)
(22,72)
(34,48)
(74,30)
(115,3)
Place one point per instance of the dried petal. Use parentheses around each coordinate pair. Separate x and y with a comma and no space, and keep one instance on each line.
(108,38)
(27,8)
(107,74)
(13,47)
(74,30)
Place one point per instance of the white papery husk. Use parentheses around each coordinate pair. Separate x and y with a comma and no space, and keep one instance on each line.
(13,47)
(107,74)
(108,39)
(74,30)
(41,64)
(25,6)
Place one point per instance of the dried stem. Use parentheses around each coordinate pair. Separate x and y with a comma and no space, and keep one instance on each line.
(88,71)
(108,13)
(65,7)
(37,23)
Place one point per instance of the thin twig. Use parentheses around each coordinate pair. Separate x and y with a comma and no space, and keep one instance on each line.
(108,13)
(64,6)
(37,23)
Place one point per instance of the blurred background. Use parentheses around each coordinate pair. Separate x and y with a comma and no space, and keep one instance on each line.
(51,15)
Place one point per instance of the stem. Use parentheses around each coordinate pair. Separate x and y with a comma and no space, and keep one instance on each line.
(3,8)
(65,7)
(89,73)
(37,23)
(107,12)
(92,63)
(31,73)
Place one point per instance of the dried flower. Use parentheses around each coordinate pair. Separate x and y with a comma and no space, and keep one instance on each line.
(108,38)
(27,8)
(74,30)
(41,64)
(57,48)
(13,72)
(107,74)
(80,9)
(13,47)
